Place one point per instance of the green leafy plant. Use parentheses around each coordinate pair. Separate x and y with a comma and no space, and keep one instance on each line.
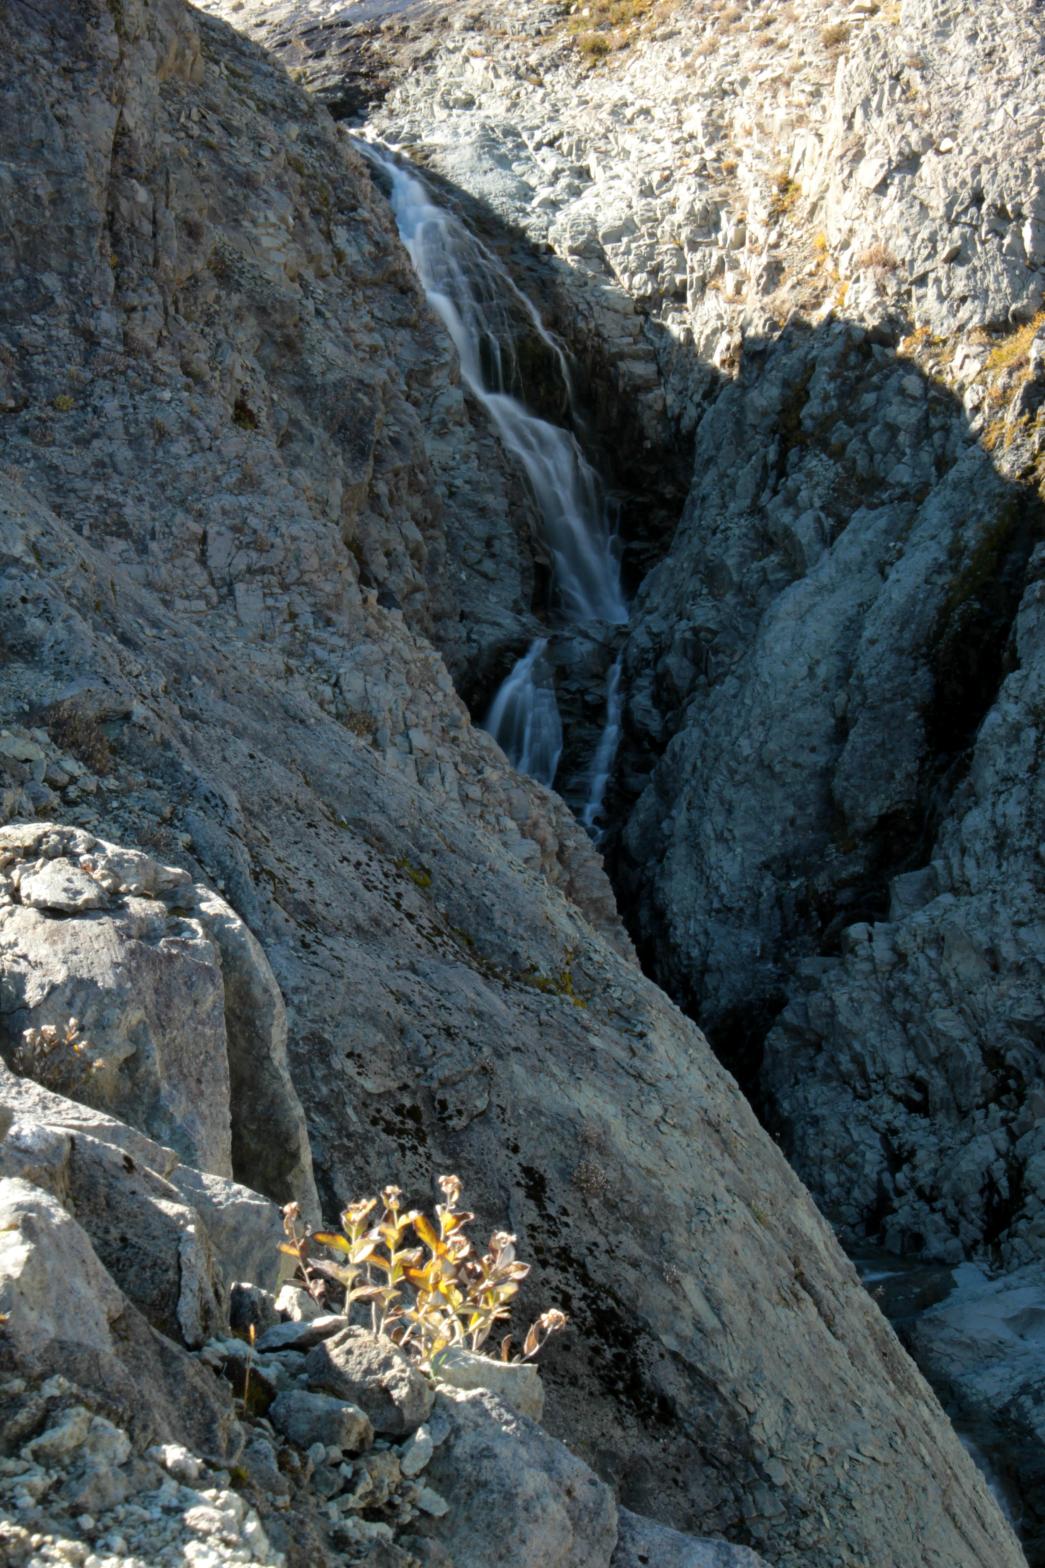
(426,1298)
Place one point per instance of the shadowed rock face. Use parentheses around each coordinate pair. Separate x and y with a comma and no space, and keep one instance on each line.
(227,411)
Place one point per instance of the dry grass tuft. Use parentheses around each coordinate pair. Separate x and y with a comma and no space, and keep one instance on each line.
(1013,352)
(877,258)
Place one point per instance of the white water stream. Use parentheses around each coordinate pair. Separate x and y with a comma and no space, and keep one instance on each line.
(466,286)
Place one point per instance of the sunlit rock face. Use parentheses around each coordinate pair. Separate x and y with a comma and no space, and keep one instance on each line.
(252,529)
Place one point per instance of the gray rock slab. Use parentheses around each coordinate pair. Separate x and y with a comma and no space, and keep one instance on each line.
(308,1418)
(642,1543)
(497,1463)
(374,1374)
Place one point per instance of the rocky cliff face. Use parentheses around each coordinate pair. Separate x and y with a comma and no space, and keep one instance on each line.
(786,237)
(251,531)
(803,246)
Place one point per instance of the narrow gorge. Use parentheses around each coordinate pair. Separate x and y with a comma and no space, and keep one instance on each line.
(520,542)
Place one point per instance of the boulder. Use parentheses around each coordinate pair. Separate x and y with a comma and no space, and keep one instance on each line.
(172,993)
(173,1238)
(374,1374)
(318,1418)
(642,1543)
(517,1383)
(65,1314)
(498,1469)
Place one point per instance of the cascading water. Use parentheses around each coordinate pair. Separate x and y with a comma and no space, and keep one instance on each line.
(466,287)
(605,751)
(524,717)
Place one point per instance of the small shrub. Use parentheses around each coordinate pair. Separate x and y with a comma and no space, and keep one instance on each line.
(243,415)
(76,731)
(428,1297)
(603,27)
(835,36)
(786,192)
(55,1057)
(420,876)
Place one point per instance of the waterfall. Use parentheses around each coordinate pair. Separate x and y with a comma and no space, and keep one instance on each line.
(467,286)
(605,752)
(524,717)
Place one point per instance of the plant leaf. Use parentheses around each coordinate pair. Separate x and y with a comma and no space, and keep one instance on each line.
(332,1239)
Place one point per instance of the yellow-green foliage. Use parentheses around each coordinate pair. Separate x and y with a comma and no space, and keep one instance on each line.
(420,876)
(554,985)
(428,1297)
(1014,351)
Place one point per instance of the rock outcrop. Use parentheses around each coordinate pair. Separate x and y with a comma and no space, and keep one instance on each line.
(185,1026)
(241,488)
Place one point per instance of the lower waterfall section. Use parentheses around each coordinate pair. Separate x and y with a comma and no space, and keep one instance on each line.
(470,291)
(524,716)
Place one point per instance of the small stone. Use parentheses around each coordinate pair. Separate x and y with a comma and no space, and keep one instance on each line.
(177,1461)
(518,1382)
(59,1441)
(430,1502)
(251,1307)
(310,1419)
(415,1454)
(61,887)
(301,1335)
(297,1305)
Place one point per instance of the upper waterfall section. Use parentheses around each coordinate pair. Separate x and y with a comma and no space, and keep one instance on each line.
(464,285)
